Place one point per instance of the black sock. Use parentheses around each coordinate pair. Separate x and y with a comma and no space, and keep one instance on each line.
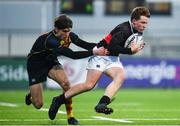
(61,98)
(105,100)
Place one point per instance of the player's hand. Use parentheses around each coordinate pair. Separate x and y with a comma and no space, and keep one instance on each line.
(137,47)
(142,45)
(106,51)
(100,51)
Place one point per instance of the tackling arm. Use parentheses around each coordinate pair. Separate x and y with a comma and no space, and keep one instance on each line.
(81,43)
(72,54)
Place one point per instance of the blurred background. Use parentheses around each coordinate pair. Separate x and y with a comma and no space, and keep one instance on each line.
(157,66)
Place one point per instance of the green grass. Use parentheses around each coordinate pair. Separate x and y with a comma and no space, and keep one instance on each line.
(136,106)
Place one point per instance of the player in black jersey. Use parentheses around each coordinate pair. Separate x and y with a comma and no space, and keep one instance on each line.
(42,61)
(110,65)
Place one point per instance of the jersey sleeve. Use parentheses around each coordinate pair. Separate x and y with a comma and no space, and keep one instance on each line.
(72,54)
(116,45)
(81,43)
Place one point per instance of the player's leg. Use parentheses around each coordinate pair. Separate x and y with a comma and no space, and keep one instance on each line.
(91,80)
(57,74)
(117,76)
(95,67)
(35,96)
(92,77)
(37,74)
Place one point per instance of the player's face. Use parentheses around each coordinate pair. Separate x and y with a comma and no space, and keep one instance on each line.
(63,33)
(140,24)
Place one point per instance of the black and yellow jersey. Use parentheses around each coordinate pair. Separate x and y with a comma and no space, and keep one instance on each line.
(48,45)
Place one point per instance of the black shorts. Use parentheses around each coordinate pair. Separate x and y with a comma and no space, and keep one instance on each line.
(38,70)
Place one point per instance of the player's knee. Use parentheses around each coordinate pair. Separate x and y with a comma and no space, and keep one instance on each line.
(120,78)
(65,85)
(89,86)
(38,104)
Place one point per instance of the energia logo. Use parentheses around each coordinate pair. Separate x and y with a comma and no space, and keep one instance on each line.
(154,73)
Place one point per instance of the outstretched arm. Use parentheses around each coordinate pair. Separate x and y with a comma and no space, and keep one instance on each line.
(72,54)
(101,51)
(81,43)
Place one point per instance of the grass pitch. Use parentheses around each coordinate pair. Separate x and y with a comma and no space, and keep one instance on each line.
(131,107)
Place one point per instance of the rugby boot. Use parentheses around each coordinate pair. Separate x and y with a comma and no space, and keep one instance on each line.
(73,121)
(102,108)
(56,103)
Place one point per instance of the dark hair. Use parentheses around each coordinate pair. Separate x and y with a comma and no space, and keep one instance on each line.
(62,22)
(139,11)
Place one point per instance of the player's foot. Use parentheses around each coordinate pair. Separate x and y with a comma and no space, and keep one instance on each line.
(56,103)
(73,121)
(28,99)
(102,108)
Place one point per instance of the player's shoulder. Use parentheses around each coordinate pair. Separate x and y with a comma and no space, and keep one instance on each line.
(44,35)
(73,36)
(122,28)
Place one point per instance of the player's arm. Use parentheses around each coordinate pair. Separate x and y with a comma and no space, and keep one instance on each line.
(79,54)
(72,54)
(116,45)
(81,43)
(116,49)
(53,43)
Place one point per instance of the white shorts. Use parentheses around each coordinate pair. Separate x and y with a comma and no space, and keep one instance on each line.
(102,63)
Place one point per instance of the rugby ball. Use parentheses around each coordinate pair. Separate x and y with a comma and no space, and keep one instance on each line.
(136,37)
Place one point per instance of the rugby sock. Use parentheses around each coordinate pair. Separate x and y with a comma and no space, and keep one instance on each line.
(68,105)
(31,98)
(105,100)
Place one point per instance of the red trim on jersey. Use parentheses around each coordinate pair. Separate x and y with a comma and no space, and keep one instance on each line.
(108,38)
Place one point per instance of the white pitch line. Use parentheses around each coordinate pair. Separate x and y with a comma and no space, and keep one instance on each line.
(37,120)
(46,110)
(8,104)
(118,120)
(15,105)
(151,110)
(158,119)
(111,119)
